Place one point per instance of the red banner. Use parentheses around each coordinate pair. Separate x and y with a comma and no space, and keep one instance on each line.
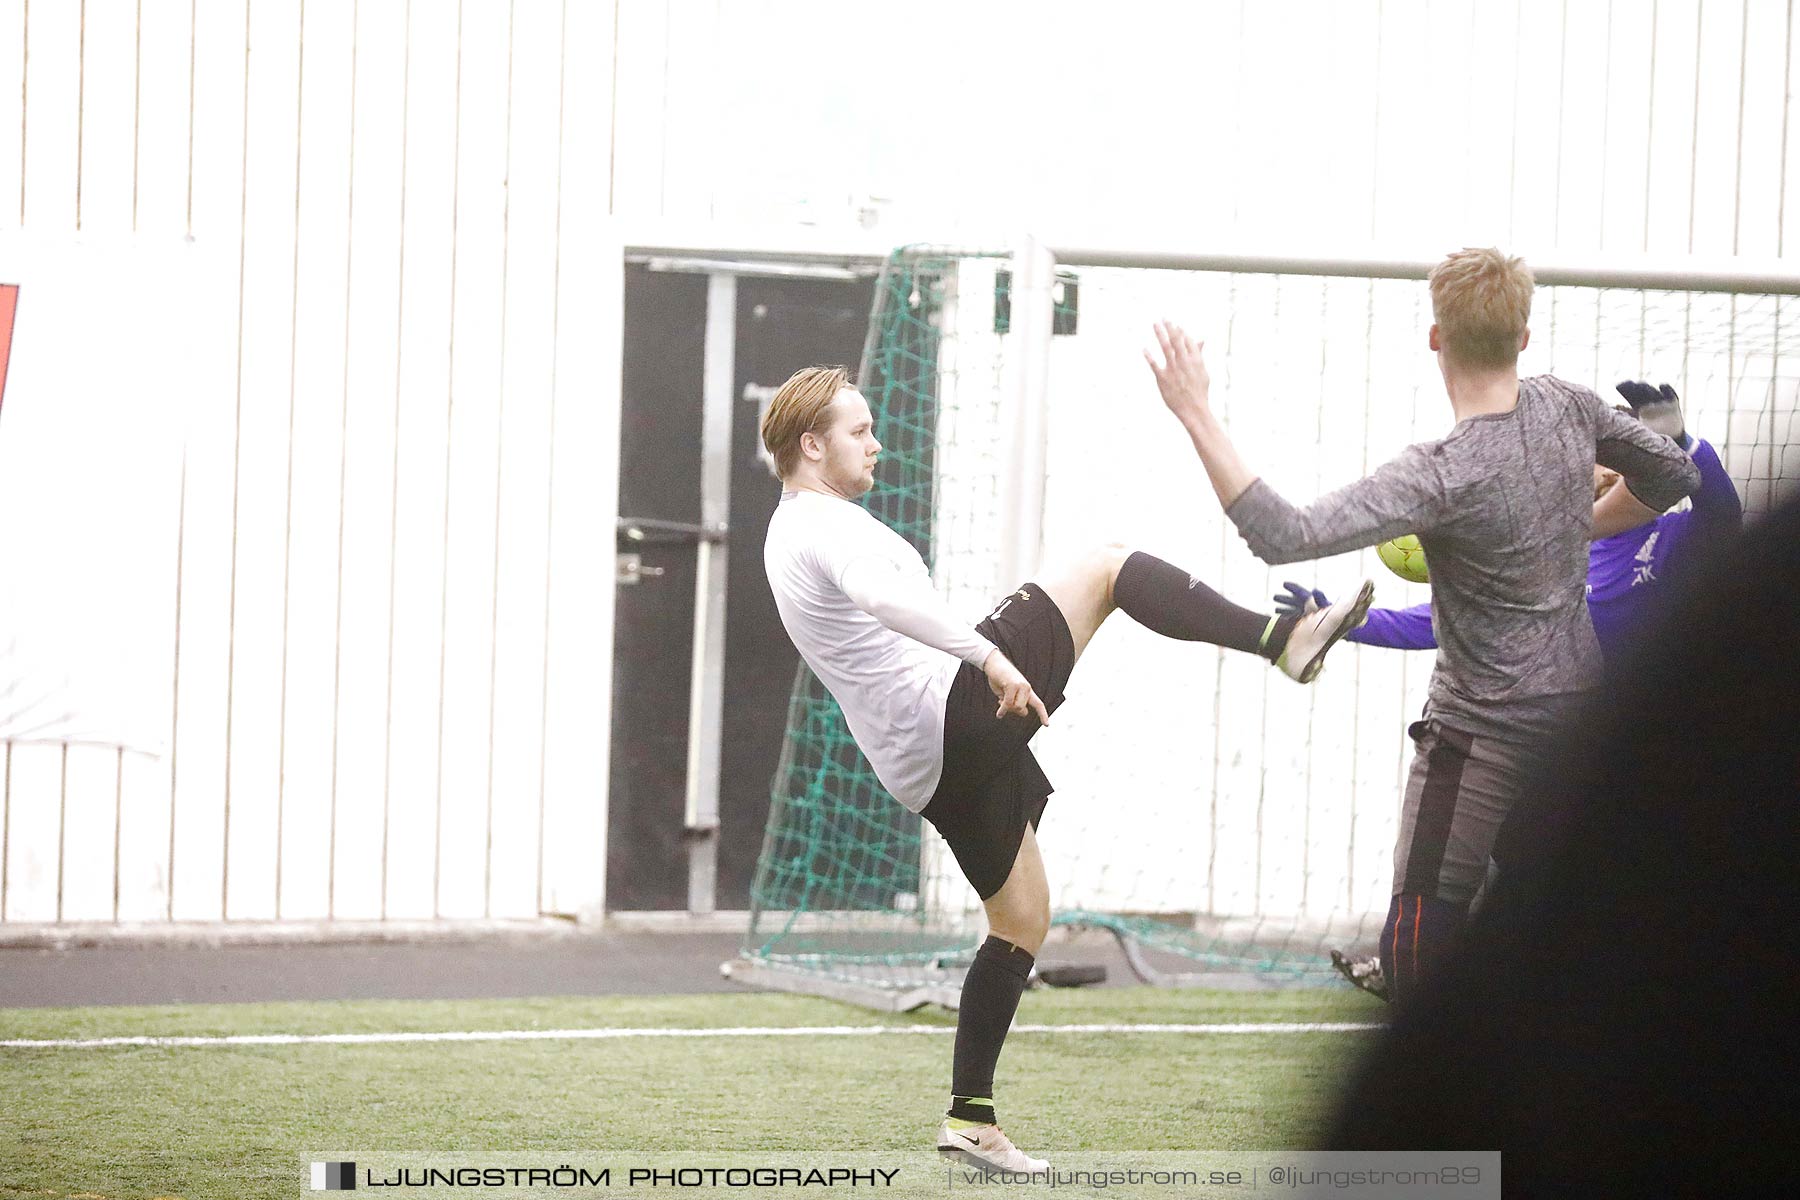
(9,304)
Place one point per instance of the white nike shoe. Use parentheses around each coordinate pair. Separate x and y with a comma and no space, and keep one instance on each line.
(986,1147)
(1319,631)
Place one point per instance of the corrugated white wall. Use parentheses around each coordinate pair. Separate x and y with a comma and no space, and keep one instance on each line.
(387,591)
(389,606)
(1658,126)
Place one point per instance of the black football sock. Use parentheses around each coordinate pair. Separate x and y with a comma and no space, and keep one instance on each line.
(1167,600)
(990,997)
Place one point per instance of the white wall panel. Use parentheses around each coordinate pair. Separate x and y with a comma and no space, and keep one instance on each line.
(1756,168)
(12,112)
(465,816)
(522,548)
(265,404)
(1629,87)
(144,792)
(647,38)
(362,781)
(90,832)
(1720,51)
(422,429)
(314,506)
(1490,83)
(1673,125)
(203,665)
(161,60)
(1789,150)
(108,114)
(584,481)
(1536,144)
(33,831)
(161,158)
(52,111)
(1584,124)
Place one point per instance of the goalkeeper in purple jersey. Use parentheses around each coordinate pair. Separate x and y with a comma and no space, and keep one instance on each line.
(1635,549)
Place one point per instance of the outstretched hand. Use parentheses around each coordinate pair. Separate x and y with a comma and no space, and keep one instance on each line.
(1013,690)
(1659,408)
(1181,373)
(1297,601)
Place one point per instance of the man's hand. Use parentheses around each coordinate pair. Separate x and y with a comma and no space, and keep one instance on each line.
(1659,408)
(1182,379)
(1181,376)
(1013,689)
(1297,601)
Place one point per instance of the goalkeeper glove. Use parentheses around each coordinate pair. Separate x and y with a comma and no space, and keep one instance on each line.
(1297,601)
(1659,408)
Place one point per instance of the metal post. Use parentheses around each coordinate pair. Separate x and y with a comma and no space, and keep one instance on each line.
(1027,374)
(707,680)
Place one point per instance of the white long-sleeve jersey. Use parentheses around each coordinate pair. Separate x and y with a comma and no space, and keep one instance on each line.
(857,601)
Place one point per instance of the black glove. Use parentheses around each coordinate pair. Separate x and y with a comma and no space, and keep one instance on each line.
(1294,601)
(1659,408)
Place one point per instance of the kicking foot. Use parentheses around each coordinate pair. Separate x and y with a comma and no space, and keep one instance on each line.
(1319,631)
(986,1147)
(1364,973)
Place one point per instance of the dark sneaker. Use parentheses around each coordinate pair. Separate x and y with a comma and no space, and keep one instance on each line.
(1364,973)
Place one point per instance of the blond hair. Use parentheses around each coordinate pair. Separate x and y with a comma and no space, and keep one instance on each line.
(1481,300)
(797,408)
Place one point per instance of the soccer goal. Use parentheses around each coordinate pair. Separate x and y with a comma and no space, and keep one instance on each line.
(1213,816)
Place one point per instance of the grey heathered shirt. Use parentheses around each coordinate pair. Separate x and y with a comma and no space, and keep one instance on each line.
(1503,507)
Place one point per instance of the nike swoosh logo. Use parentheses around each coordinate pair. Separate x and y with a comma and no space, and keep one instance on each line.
(973,1141)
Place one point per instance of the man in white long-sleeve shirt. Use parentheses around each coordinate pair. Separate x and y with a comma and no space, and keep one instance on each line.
(944,712)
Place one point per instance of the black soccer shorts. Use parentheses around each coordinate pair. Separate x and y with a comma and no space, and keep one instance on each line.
(992,785)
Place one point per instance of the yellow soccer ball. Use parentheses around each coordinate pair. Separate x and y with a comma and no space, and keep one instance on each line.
(1405,558)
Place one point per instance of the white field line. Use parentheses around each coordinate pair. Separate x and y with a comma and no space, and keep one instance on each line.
(542,1035)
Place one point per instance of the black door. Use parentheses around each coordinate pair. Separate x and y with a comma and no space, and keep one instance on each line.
(659,479)
(782,325)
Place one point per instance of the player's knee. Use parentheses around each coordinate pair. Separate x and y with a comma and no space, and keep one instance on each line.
(1112,556)
(1025,928)
(1105,562)
(1030,936)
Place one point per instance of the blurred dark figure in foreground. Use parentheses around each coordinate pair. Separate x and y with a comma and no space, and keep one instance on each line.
(1623,1016)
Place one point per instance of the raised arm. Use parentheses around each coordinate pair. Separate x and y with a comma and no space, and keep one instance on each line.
(1657,471)
(1404,496)
(1716,503)
(1181,377)
(1658,409)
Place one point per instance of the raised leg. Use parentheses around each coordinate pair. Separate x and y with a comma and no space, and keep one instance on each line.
(1083,590)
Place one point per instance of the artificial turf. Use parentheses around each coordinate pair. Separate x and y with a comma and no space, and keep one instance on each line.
(234,1122)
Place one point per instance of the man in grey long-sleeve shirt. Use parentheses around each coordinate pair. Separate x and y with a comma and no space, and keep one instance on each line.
(1503,506)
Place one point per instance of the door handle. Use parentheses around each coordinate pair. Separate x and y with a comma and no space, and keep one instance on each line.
(631,569)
